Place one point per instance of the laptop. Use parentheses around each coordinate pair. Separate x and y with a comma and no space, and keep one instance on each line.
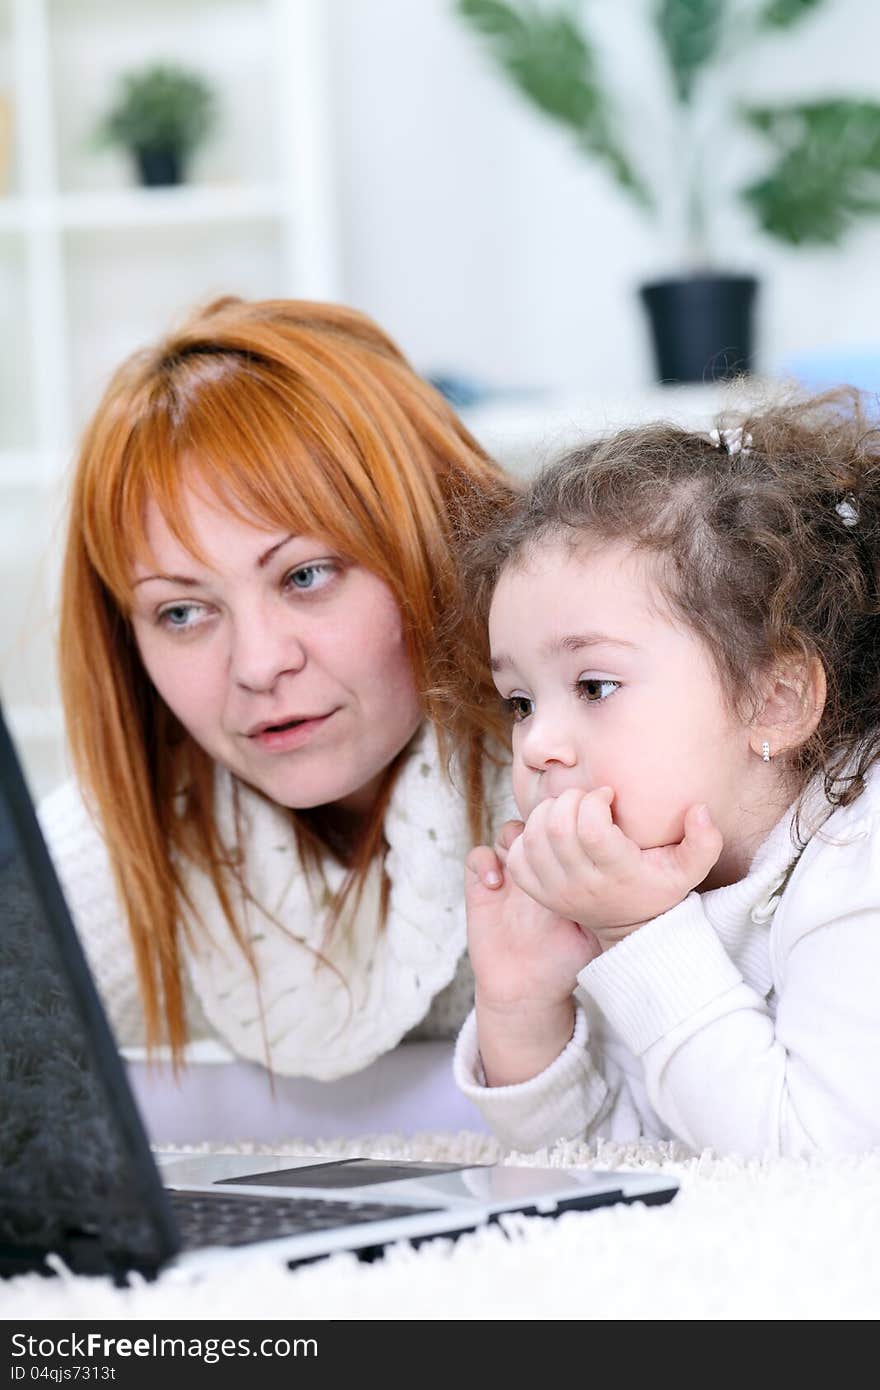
(80,1184)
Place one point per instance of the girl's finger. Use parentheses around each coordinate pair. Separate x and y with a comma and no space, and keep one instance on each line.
(523,873)
(700,847)
(602,840)
(550,848)
(483,862)
(510,831)
(557,827)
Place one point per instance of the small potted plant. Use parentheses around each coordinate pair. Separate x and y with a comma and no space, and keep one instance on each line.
(161,115)
(823,174)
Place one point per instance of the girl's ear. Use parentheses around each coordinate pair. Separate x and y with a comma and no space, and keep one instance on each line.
(792,707)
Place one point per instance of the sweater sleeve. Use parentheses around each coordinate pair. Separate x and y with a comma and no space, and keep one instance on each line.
(719,1068)
(83,866)
(593,1087)
(587,1091)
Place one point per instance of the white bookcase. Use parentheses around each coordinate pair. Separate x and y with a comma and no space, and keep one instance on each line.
(92,265)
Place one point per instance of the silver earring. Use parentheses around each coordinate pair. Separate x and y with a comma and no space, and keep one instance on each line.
(765,752)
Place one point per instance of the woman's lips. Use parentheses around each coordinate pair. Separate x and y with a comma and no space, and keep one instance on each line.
(282,740)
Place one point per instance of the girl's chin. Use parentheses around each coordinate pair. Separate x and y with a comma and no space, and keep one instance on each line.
(651,837)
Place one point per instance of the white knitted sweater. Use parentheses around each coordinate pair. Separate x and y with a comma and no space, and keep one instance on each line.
(410,977)
(746,1019)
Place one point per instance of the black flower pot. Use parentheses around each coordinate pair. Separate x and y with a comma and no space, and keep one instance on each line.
(158,167)
(701,326)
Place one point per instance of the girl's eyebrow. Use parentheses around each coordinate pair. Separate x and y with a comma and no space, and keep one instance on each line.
(573,642)
(188,581)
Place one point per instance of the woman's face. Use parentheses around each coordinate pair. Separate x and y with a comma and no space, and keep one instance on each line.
(283,660)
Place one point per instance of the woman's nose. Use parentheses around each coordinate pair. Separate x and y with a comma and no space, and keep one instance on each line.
(265,646)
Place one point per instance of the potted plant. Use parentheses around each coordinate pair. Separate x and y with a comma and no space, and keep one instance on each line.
(161,115)
(822,174)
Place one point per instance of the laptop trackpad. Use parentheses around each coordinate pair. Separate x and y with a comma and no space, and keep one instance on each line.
(345,1172)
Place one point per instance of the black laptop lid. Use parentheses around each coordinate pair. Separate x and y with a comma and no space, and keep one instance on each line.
(76,1173)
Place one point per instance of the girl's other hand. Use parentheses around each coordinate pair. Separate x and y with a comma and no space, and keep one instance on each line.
(526,960)
(576,862)
(488,861)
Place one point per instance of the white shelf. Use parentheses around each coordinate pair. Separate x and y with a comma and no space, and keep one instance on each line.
(170,206)
(257,222)
(92,269)
(142,207)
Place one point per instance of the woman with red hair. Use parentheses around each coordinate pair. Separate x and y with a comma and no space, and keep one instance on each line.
(261,615)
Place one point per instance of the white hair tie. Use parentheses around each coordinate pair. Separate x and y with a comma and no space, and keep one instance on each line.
(847,510)
(733,440)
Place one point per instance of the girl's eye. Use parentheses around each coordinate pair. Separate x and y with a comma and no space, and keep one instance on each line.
(519,707)
(594,690)
(315,576)
(180,617)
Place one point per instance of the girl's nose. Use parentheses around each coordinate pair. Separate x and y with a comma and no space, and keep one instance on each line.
(546,741)
(265,647)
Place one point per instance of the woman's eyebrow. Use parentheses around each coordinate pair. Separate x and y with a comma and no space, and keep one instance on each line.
(183,579)
(264,559)
(572,642)
(188,581)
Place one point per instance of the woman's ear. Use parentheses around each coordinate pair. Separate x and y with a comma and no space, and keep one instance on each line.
(792,706)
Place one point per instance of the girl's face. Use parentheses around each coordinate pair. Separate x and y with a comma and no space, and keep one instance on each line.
(283,660)
(606,688)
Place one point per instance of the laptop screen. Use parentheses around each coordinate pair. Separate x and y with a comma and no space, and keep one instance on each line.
(76,1175)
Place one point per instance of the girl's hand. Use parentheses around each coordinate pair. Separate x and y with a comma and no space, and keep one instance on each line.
(488,862)
(526,961)
(576,862)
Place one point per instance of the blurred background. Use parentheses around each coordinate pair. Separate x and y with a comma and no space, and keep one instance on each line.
(497,184)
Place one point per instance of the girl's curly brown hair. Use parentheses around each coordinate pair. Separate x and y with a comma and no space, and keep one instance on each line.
(767,547)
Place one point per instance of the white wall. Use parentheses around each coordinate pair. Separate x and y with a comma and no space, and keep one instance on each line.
(473,231)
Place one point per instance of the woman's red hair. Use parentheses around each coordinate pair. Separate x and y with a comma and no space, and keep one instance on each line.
(307,417)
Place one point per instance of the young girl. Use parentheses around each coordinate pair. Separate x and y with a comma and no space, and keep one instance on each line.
(684,939)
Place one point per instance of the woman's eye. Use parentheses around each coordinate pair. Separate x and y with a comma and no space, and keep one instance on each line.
(179,617)
(594,690)
(310,576)
(519,707)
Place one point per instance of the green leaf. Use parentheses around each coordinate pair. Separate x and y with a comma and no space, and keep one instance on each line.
(827,172)
(690,31)
(490,16)
(781,14)
(551,62)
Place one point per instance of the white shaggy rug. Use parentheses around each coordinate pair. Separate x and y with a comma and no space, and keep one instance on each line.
(784,1239)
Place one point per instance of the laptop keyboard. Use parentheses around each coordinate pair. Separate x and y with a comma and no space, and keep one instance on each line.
(206,1218)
